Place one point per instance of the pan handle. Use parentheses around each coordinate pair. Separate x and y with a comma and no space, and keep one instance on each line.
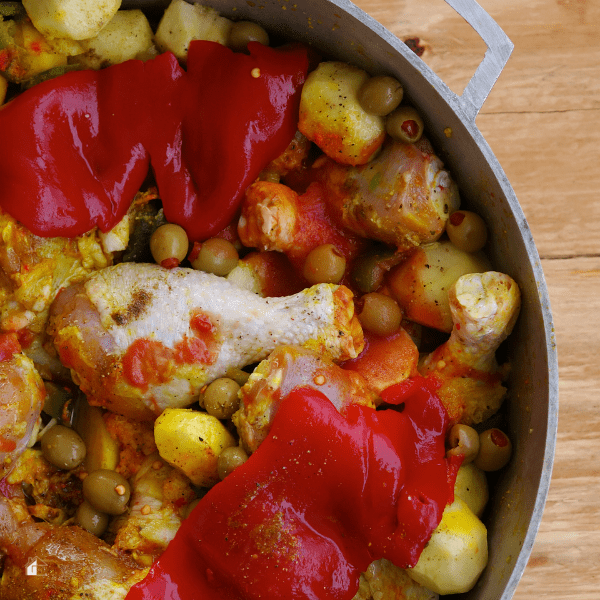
(499,48)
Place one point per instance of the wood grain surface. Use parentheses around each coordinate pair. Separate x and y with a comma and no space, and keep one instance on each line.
(542,120)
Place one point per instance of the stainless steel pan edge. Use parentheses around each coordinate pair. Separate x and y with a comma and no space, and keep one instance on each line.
(339,29)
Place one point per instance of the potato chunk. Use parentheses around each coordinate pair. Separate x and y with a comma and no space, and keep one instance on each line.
(472,487)
(26,52)
(456,554)
(127,35)
(332,118)
(74,19)
(183,22)
(192,441)
(102,449)
(420,285)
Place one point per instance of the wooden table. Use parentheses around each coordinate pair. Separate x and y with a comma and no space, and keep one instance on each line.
(542,121)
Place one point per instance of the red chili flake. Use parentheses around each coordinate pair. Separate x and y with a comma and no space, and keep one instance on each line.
(456,218)
(498,438)
(170,263)
(25,337)
(35,47)
(411,128)
(193,255)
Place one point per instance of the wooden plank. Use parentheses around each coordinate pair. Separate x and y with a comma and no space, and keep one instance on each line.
(556,182)
(565,557)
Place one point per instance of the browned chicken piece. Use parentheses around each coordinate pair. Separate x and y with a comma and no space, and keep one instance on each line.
(22,396)
(139,338)
(291,159)
(159,497)
(484,307)
(403,197)
(52,494)
(286,368)
(275,217)
(62,563)
(34,269)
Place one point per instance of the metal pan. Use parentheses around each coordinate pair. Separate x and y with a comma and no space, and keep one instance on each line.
(339,29)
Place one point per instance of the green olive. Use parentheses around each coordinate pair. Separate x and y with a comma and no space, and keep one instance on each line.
(217,256)
(243,32)
(62,447)
(380,95)
(238,375)
(169,245)
(463,441)
(324,264)
(368,270)
(467,231)
(380,314)
(91,519)
(12,10)
(57,398)
(230,459)
(495,450)
(107,491)
(221,398)
(405,124)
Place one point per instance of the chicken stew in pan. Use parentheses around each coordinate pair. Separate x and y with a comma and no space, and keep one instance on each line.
(248,336)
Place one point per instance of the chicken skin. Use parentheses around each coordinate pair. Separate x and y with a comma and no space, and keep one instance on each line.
(22,395)
(160,495)
(139,338)
(484,308)
(274,217)
(286,368)
(71,563)
(403,197)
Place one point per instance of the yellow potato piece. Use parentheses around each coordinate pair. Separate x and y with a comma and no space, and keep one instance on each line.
(456,554)
(472,487)
(126,35)
(102,451)
(332,117)
(420,284)
(192,441)
(183,22)
(73,19)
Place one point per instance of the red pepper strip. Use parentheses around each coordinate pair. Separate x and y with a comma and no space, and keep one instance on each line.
(323,496)
(77,148)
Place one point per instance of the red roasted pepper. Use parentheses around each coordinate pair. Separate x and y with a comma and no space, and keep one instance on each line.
(77,148)
(323,496)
